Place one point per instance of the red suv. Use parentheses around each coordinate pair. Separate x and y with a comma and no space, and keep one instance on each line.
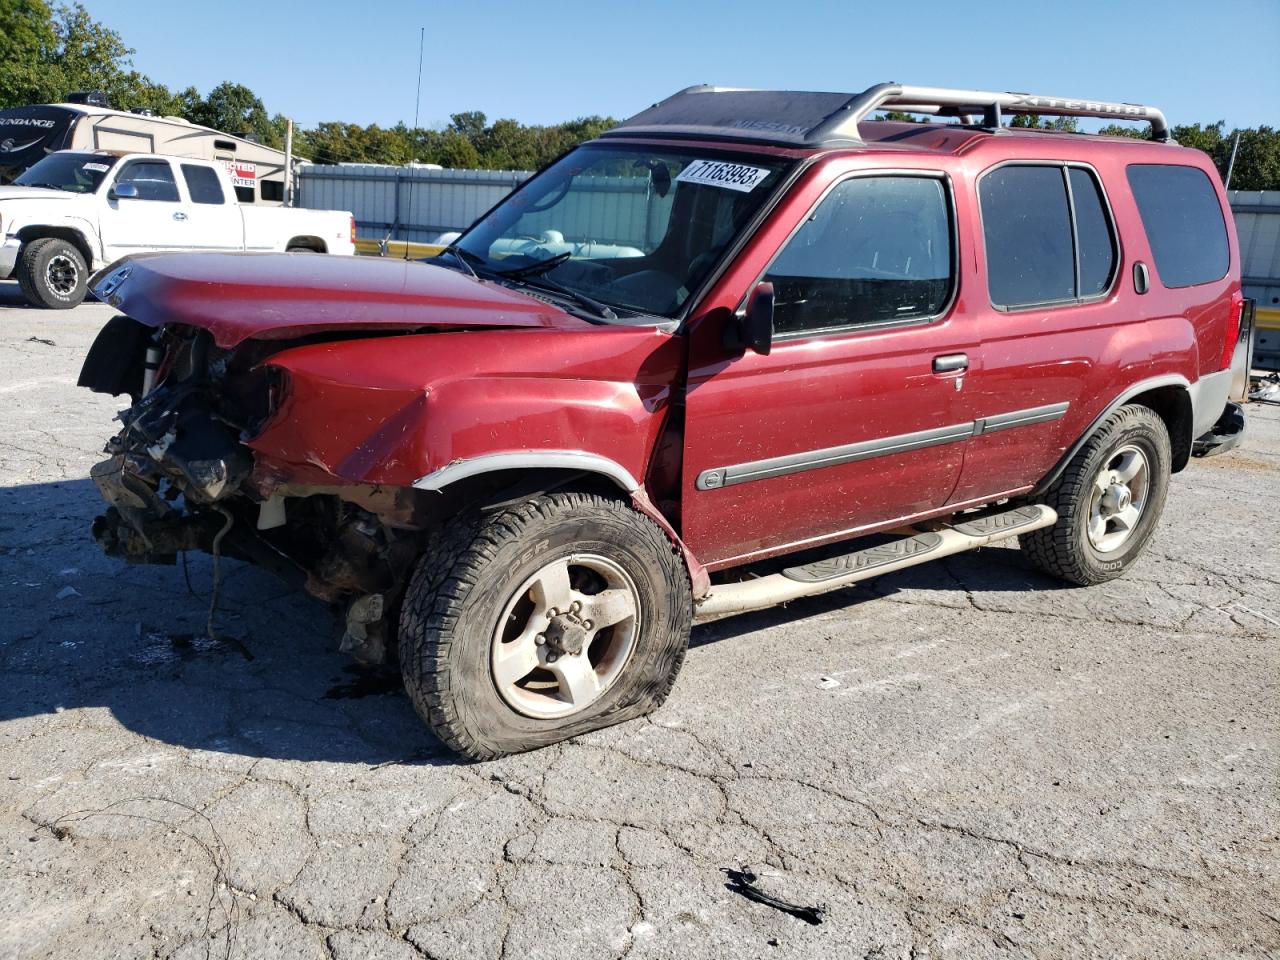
(745,347)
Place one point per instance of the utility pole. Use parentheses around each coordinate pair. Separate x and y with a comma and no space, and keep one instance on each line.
(1230,164)
(288,164)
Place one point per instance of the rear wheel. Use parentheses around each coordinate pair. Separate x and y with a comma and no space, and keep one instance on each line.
(52,273)
(542,621)
(1109,500)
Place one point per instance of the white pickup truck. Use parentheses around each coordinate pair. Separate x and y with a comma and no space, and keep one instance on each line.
(74,212)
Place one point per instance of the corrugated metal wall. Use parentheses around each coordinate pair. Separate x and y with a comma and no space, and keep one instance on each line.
(410,203)
(1257,214)
(413,203)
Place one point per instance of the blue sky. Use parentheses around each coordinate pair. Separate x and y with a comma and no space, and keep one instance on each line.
(543,62)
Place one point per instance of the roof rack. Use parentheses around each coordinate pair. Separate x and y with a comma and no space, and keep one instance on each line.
(831,119)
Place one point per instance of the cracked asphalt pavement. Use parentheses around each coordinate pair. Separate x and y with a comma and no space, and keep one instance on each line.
(967,760)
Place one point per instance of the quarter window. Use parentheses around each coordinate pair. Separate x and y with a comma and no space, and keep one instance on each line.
(202,184)
(1184,224)
(876,249)
(153,178)
(1048,238)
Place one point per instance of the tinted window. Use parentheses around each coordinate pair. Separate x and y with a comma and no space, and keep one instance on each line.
(1093,233)
(153,178)
(875,249)
(272,190)
(1027,227)
(1184,224)
(202,184)
(244,194)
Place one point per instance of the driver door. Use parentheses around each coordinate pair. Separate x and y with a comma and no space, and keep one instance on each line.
(156,219)
(852,420)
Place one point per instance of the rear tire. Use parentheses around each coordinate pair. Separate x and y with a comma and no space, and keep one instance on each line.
(52,274)
(1109,500)
(487,591)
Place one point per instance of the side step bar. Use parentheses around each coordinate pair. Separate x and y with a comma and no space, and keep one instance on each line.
(728,599)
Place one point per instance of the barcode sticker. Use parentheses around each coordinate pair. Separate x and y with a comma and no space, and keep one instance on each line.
(721,173)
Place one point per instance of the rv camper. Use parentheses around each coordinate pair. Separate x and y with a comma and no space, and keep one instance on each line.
(85,122)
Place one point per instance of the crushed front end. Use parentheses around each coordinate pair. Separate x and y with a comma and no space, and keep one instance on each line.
(180,477)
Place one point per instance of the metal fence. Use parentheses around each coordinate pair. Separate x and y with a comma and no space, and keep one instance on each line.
(406,203)
(418,204)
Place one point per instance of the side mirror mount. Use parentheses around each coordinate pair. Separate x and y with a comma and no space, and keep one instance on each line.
(755,327)
(123,191)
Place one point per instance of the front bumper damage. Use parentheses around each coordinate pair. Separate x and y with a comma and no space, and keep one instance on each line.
(179,477)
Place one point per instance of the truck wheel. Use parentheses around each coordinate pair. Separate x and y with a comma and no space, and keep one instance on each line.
(542,621)
(1109,500)
(52,273)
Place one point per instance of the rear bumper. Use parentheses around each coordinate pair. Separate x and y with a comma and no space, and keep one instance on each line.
(1225,435)
(9,257)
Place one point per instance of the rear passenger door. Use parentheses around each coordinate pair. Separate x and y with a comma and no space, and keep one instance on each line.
(1051,262)
(154,219)
(213,221)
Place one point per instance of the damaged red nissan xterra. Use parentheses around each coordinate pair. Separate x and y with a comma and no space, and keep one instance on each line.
(747,346)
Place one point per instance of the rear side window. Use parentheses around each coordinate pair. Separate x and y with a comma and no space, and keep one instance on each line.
(1184,223)
(1048,236)
(876,249)
(202,184)
(153,178)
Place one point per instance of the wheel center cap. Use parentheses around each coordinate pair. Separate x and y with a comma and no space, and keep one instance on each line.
(566,634)
(1117,498)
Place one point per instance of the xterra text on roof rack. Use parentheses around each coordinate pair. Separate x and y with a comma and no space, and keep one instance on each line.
(673,376)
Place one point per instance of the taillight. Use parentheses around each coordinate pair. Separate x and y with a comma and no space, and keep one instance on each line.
(353,229)
(1233,329)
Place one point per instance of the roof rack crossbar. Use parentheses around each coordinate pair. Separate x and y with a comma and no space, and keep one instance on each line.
(943,101)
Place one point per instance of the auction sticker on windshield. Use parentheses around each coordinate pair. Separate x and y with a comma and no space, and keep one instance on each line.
(721,173)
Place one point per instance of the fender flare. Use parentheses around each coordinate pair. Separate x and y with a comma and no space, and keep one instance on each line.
(74,230)
(579,460)
(1143,386)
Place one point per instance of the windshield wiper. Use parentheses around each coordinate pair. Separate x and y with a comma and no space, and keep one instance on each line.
(601,310)
(47,186)
(536,269)
(466,258)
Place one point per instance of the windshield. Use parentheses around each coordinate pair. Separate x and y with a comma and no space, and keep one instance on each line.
(73,172)
(635,228)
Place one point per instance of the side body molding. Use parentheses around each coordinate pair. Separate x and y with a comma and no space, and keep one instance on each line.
(529,460)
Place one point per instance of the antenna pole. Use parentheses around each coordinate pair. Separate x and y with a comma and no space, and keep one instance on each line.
(417,101)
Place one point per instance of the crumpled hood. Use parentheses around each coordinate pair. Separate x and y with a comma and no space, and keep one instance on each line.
(19,192)
(280,296)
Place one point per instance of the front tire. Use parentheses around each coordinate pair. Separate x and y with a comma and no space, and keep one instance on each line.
(1109,500)
(53,274)
(541,621)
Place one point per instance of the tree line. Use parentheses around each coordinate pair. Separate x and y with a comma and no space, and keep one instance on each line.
(47,51)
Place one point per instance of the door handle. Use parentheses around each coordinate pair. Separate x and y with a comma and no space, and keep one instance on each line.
(950,362)
(179,215)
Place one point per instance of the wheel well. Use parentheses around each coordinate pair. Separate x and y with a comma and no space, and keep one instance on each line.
(73,237)
(1173,405)
(499,487)
(307,243)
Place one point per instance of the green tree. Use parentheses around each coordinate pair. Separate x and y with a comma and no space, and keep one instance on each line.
(234,108)
(27,43)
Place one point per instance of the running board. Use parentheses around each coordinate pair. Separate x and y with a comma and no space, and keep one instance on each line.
(813,578)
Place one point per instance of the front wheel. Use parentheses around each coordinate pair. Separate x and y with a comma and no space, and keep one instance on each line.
(1109,500)
(541,621)
(52,273)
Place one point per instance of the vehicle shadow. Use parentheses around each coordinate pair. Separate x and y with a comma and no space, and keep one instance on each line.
(80,629)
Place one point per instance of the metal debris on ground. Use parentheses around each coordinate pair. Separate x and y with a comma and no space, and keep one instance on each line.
(47,343)
(1267,390)
(743,882)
